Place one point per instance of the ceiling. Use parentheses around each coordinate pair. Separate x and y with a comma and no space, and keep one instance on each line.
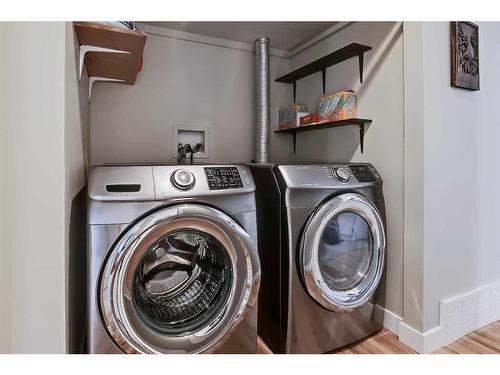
(283,35)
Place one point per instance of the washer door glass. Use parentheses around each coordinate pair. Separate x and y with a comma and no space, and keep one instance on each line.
(343,251)
(178,281)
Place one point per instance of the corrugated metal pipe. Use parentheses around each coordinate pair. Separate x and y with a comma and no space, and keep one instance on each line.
(262,98)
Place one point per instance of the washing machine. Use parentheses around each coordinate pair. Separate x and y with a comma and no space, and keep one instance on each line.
(322,248)
(172,259)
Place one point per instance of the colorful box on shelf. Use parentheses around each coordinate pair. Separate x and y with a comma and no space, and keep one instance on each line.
(290,117)
(309,119)
(338,106)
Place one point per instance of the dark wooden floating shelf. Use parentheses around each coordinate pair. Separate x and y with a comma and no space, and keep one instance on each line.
(345,53)
(360,122)
(320,65)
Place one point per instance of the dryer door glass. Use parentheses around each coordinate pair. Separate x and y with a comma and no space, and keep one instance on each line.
(178,281)
(343,252)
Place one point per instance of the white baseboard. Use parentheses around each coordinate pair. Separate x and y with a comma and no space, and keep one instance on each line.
(459,315)
(387,318)
(420,342)
(469,311)
(425,342)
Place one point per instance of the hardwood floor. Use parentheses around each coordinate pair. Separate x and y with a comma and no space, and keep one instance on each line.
(483,341)
(383,342)
(262,348)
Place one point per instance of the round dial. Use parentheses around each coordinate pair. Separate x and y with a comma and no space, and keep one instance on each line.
(182,179)
(341,174)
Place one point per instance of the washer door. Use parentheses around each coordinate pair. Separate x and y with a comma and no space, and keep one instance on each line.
(178,281)
(342,252)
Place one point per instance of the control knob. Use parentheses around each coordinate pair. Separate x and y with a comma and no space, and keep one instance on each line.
(182,179)
(341,174)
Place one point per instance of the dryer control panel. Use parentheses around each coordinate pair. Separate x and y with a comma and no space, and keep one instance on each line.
(363,173)
(327,176)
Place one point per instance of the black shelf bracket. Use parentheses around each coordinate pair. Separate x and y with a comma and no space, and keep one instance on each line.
(360,57)
(294,90)
(361,136)
(294,142)
(323,78)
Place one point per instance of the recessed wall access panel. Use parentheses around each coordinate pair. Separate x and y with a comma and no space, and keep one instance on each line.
(191,134)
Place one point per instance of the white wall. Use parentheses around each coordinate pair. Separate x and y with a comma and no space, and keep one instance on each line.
(452,204)
(413,175)
(5,283)
(33,197)
(44,137)
(462,174)
(77,115)
(380,99)
(181,83)
(76,139)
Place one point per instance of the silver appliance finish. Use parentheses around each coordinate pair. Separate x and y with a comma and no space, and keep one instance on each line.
(124,225)
(262,100)
(300,311)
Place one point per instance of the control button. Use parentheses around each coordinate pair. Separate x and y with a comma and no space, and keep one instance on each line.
(341,174)
(182,179)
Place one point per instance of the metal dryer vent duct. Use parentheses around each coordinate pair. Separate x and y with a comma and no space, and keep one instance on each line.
(261,46)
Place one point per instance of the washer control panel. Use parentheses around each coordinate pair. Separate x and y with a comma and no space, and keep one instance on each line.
(220,178)
(160,182)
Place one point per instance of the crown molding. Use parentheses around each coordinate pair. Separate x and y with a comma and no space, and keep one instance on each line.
(203,39)
(224,43)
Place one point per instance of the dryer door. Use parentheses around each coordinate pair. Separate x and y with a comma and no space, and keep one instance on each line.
(178,281)
(342,252)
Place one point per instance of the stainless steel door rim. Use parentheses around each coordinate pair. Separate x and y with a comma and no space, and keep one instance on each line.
(339,299)
(117,299)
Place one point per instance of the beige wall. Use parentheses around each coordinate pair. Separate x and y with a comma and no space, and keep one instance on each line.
(181,83)
(32,134)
